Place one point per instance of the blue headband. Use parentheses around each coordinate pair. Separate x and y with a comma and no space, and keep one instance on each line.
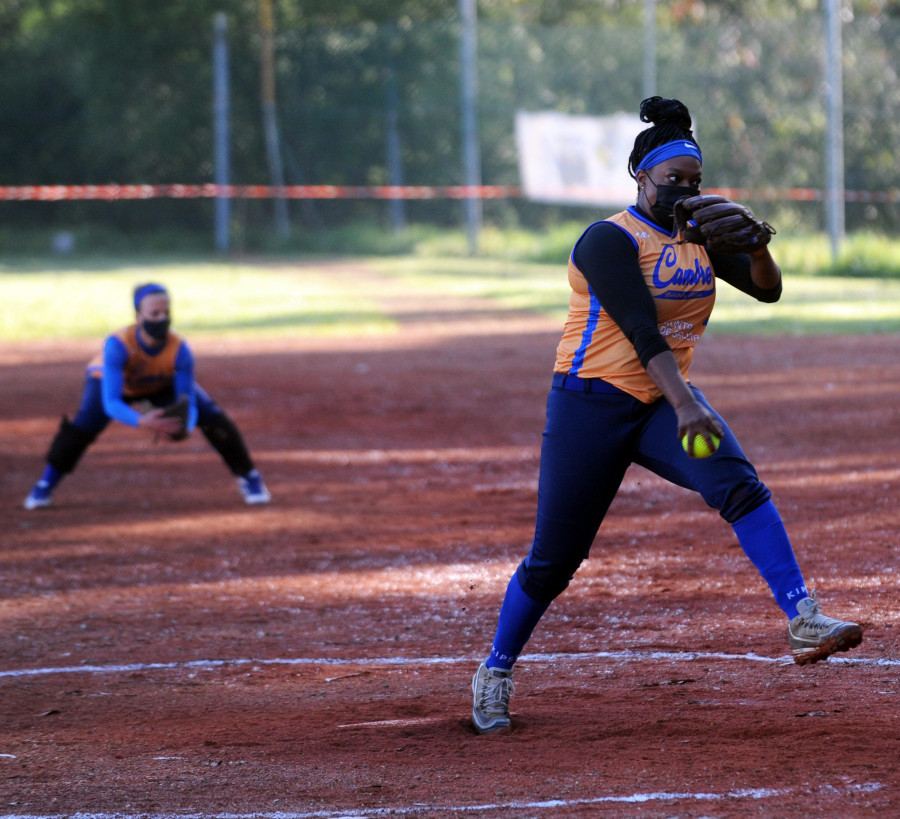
(680,147)
(147,290)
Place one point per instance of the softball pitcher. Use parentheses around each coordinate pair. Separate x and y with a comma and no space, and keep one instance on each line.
(643,289)
(144,369)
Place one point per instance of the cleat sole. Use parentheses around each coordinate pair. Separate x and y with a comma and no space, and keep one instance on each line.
(842,641)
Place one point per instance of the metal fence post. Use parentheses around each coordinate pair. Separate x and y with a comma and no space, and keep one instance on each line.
(834,90)
(469,95)
(221,159)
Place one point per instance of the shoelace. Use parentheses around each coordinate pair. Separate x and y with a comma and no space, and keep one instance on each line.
(496,694)
(818,621)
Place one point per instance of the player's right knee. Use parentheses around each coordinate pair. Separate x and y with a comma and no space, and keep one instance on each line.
(743,499)
(69,445)
(544,585)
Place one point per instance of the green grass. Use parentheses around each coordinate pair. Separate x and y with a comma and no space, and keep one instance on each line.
(208,299)
(69,298)
(809,305)
(813,305)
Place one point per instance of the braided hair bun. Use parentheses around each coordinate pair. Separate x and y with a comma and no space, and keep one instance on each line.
(660,111)
(671,121)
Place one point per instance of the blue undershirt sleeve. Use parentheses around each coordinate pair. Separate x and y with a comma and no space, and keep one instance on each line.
(115,357)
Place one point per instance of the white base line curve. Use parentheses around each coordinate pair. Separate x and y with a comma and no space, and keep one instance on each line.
(504,807)
(624,656)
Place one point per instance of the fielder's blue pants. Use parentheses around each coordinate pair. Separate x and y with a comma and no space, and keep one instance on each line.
(73,438)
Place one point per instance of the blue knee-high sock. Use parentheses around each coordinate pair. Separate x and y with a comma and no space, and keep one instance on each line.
(51,476)
(762,535)
(519,614)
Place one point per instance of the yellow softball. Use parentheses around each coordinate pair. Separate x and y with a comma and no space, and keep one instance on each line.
(701,448)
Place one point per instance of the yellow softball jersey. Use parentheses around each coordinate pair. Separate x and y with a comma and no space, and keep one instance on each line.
(145,372)
(681,281)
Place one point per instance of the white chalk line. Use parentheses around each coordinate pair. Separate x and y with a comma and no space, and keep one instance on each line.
(379,722)
(421,809)
(623,656)
(505,807)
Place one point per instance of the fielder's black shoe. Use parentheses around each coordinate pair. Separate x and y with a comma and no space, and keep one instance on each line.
(814,637)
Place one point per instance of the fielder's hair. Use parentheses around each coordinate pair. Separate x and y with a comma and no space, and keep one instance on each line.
(671,121)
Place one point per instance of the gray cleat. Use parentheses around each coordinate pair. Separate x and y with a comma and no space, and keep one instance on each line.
(814,637)
(491,689)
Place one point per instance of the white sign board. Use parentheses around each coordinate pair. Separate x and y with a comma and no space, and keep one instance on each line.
(577,160)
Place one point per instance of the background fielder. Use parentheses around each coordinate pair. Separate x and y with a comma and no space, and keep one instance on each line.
(143,369)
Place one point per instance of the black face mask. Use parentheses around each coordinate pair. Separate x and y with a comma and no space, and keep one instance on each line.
(666,197)
(157,330)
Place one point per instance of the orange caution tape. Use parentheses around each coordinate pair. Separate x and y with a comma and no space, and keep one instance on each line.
(54,193)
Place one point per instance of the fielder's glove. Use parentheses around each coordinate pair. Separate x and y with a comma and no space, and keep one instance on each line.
(720,224)
(178,410)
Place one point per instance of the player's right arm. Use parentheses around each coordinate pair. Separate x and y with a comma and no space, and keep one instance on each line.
(693,418)
(115,357)
(608,259)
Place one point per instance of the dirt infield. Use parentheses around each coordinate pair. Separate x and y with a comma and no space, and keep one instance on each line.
(166,650)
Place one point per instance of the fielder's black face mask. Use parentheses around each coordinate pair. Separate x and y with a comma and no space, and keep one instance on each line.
(157,330)
(663,211)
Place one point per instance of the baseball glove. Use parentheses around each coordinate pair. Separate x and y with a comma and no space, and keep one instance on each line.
(720,224)
(178,410)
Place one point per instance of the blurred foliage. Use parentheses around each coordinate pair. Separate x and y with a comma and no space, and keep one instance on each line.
(100,91)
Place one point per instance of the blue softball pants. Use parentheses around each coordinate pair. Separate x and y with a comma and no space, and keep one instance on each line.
(594,432)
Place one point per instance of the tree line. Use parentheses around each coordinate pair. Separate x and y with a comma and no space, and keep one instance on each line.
(101,91)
